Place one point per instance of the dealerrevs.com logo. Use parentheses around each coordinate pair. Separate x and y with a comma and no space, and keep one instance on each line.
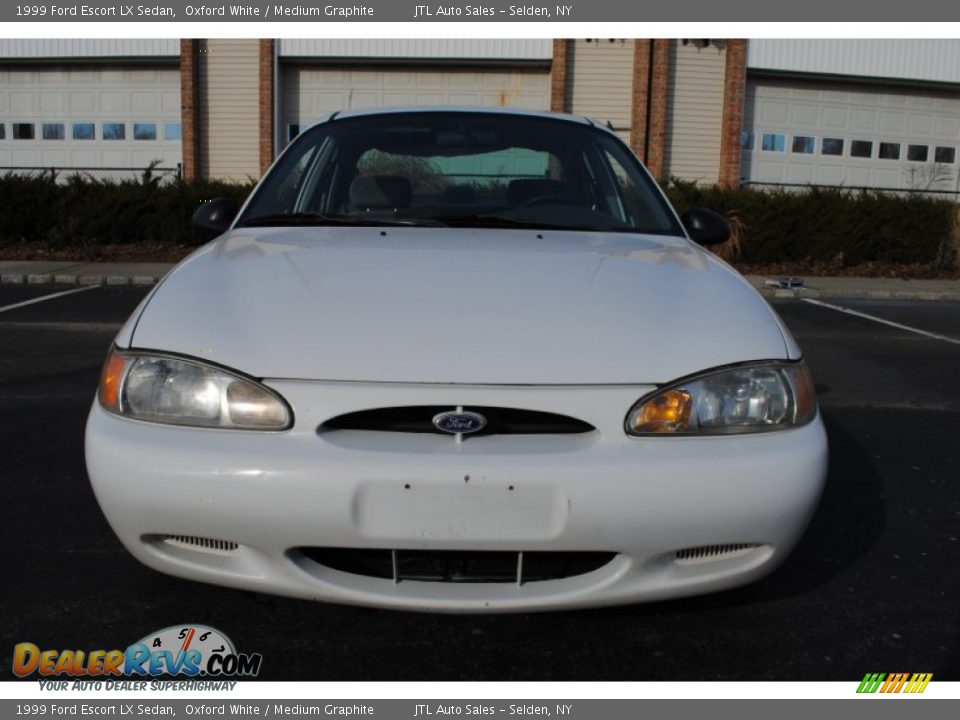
(910,683)
(179,650)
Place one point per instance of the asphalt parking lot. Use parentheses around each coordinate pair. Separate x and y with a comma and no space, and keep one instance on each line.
(874,585)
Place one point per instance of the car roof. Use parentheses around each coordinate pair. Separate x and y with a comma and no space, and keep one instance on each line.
(478,109)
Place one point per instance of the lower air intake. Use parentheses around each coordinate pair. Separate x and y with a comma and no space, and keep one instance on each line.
(713,552)
(453,566)
(201,544)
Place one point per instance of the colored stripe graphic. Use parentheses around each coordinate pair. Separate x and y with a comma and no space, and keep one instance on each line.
(894,683)
(871,682)
(919,682)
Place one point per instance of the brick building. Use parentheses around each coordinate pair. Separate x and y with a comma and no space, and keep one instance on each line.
(878,113)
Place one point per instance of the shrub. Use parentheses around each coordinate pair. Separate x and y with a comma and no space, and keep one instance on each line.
(835,227)
(832,228)
(79,210)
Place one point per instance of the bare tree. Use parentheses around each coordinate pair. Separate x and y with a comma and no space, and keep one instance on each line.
(926,177)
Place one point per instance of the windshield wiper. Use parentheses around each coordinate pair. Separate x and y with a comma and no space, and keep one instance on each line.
(316,219)
(499,221)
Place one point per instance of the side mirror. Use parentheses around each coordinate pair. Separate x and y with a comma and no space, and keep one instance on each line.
(216,215)
(705,227)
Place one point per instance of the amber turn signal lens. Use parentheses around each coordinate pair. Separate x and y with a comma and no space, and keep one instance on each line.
(666,413)
(806,395)
(110,379)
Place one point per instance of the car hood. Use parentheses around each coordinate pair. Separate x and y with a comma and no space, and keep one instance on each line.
(439,305)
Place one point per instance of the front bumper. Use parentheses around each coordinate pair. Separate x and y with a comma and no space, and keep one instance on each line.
(649,500)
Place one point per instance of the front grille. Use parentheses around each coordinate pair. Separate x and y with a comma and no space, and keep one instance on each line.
(419,419)
(202,544)
(456,566)
(713,552)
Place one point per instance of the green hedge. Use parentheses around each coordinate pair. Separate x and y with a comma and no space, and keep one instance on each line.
(838,228)
(841,228)
(79,210)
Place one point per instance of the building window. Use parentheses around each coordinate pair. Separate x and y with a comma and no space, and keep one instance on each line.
(53,131)
(889,151)
(83,131)
(774,142)
(831,146)
(946,155)
(861,148)
(746,140)
(917,153)
(113,131)
(172,131)
(144,131)
(23,131)
(803,144)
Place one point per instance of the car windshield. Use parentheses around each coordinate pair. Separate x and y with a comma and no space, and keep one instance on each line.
(460,169)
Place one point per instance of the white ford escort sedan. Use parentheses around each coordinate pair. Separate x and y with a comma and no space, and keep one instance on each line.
(457,360)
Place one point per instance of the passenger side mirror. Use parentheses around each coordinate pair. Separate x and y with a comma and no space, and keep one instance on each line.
(705,227)
(216,215)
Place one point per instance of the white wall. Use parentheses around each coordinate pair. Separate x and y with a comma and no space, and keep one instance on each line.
(20,49)
(695,112)
(423,48)
(924,60)
(600,81)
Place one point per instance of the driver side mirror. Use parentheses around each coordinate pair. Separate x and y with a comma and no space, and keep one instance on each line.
(216,215)
(705,227)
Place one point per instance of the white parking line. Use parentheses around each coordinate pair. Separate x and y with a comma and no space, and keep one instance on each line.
(918,331)
(46,297)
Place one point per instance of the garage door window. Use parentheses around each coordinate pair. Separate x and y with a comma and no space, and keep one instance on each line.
(803,144)
(831,146)
(144,131)
(23,131)
(113,131)
(83,131)
(171,131)
(861,148)
(917,153)
(53,131)
(3,132)
(947,155)
(774,142)
(889,151)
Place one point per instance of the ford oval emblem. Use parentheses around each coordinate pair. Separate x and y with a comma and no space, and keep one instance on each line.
(459,422)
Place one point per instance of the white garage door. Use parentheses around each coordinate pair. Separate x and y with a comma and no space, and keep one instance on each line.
(832,134)
(89,117)
(312,93)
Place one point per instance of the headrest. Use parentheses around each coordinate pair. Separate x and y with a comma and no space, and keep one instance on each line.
(380,192)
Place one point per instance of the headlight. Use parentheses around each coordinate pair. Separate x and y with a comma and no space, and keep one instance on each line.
(745,399)
(163,389)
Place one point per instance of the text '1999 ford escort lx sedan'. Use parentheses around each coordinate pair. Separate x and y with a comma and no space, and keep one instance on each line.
(458,360)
